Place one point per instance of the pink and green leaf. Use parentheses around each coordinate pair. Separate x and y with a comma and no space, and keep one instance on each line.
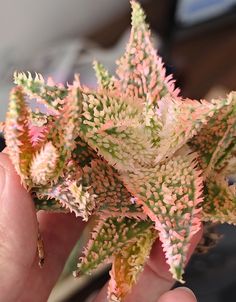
(108,238)
(96,186)
(114,127)
(112,197)
(72,194)
(17,135)
(128,263)
(181,120)
(104,79)
(50,94)
(216,141)
(64,130)
(170,195)
(220,200)
(140,70)
(44,164)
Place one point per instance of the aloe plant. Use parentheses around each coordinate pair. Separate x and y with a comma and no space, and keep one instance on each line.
(133,153)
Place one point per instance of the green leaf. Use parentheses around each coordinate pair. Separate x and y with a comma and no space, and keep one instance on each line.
(63,131)
(170,195)
(105,80)
(49,93)
(94,186)
(44,164)
(112,197)
(220,200)
(83,154)
(181,120)
(216,141)
(140,70)
(128,263)
(113,126)
(16,130)
(108,238)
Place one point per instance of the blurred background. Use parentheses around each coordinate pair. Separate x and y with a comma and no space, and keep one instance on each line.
(197,39)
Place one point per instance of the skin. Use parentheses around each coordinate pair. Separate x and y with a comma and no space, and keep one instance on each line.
(22,280)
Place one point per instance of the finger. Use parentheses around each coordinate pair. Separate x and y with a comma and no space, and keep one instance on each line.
(156,279)
(18,232)
(181,294)
(20,274)
(60,233)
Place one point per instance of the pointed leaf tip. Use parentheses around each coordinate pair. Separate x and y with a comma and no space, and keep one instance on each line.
(44,163)
(104,79)
(138,15)
(141,73)
(128,264)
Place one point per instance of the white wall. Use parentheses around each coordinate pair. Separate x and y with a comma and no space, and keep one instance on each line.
(28,24)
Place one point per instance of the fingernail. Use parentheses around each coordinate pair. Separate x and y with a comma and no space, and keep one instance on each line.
(2,180)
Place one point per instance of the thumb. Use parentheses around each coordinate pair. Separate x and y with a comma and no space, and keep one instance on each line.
(180,294)
(18,232)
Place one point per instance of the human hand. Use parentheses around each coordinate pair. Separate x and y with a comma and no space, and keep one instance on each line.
(22,280)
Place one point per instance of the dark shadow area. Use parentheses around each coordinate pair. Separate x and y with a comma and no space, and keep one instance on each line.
(2,142)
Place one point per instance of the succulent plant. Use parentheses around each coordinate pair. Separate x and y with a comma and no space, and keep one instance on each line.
(133,153)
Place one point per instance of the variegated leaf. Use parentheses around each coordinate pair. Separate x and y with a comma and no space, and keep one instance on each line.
(181,120)
(108,238)
(216,142)
(17,135)
(141,72)
(50,94)
(39,125)
(94,186)
(113,126)
(63,131)
(105,80)
(128,263)
(44,164)
(220,200)
(83,154)
(72,194)
(112,198)
(170,195)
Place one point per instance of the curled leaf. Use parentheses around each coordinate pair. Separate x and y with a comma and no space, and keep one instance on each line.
(128,263)
(44,163)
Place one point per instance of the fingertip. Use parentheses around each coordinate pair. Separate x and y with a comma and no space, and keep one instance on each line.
(180,294)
